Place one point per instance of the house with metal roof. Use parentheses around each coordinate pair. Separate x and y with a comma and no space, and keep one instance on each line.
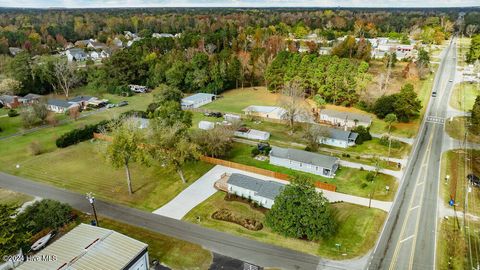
(261,191)
(344,119)
(338,137)
(304,161)
(252,134)
(197,100)
(272,112)
(89,247)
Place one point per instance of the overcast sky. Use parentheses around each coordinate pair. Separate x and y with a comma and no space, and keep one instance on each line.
(236,3)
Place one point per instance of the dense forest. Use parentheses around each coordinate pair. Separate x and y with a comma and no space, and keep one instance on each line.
(217,49)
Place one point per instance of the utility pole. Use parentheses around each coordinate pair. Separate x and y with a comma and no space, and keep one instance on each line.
(91,200)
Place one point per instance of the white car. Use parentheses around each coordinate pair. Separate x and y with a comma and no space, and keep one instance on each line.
(110,105)
(450,80)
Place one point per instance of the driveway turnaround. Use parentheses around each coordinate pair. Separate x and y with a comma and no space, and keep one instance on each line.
(199,191)
(203,188)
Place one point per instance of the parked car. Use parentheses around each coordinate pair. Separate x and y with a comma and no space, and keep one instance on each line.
(123,103)
(110,105)
(214,114)
(434,94)
(475,180)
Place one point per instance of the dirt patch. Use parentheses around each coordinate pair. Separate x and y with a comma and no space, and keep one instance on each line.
(248,223)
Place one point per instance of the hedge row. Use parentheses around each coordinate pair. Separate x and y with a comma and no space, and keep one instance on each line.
(80,134)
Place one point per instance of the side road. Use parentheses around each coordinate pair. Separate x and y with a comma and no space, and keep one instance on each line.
(236,247)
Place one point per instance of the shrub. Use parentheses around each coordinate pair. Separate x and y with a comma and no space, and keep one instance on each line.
(247,223)
(12,113)
(370,176)
(363,134)
(45,214)
(134,113)
(395,143)
(255,152)
(80,134)
(35,148)
(122,90)
(363,185)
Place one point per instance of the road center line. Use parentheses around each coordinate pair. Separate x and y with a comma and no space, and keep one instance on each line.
(408,238)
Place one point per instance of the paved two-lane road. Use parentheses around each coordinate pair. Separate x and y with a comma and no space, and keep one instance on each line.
(408,240)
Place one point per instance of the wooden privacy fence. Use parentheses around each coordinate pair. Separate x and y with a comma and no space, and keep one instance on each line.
(268,173)
(239,166)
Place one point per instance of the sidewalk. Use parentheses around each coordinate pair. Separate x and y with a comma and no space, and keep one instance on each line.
(203,188)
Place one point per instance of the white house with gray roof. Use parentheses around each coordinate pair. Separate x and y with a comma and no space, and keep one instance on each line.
(197,100)
(88,247)
(261,191)
(304,161)
(345,119)
(338,137)
(60,106)
(272,112)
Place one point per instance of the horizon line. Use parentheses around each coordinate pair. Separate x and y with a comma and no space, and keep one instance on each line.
(242,7)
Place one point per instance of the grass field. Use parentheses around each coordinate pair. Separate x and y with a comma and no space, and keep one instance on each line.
(82,168)
(12,197)
(464,95)
(175,253)
(453,165)
(456,130)
(357,231)
(348,180)
(453,249)
(236,100)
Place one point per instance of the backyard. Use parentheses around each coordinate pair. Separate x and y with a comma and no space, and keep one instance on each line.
(464,95)
(357,231)
(234,101)
(347,180)
(82,168)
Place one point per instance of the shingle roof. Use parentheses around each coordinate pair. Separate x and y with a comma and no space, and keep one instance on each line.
(88,247)
(266,189)
(7,98)
(80,98)
(339,134)
(59,103)
(347,115)
(304,157)
(32,96)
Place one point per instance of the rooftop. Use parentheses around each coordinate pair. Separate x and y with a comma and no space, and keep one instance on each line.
(88,247)
(59,103)
(347,115)
(197,97)
(261,109)
(340,134)
(266,189)
(304,157)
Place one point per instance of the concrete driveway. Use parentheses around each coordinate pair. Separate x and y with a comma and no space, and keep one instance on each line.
(199,191)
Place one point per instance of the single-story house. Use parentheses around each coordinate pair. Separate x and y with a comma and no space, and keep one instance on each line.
(97,45)
(32,98)
(304,161)
(197,100)
(261,191)
(90,247)
(83,43)
(206,125)
(253,134)
(345,119)
(10,102)
(338,137)
(265,111)
(82,101)
(100,54)
(76,54)
(60,106)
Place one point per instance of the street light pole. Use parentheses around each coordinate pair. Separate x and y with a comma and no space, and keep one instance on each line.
(91,200)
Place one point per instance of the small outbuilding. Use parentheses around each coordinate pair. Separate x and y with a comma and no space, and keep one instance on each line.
(206,125)
(253,134)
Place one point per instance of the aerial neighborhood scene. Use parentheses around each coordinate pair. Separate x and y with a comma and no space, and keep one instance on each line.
(239,134)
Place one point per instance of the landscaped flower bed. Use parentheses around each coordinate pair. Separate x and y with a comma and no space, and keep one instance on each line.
(248,223)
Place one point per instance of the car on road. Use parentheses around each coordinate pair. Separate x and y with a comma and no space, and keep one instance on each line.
(123,103)
(450,80)
(434,94)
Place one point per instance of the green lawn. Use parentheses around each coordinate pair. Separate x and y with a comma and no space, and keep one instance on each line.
(453,247)
(453,165)
(236,100)
(82,168)
(172,252)
(357,231)
(456,130)
(348,180)
(464,95)
(9,125)
(12,197)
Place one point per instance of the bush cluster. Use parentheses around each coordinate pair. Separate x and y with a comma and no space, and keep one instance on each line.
(248,223)
(12,113)
(395,143)
(80,134)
